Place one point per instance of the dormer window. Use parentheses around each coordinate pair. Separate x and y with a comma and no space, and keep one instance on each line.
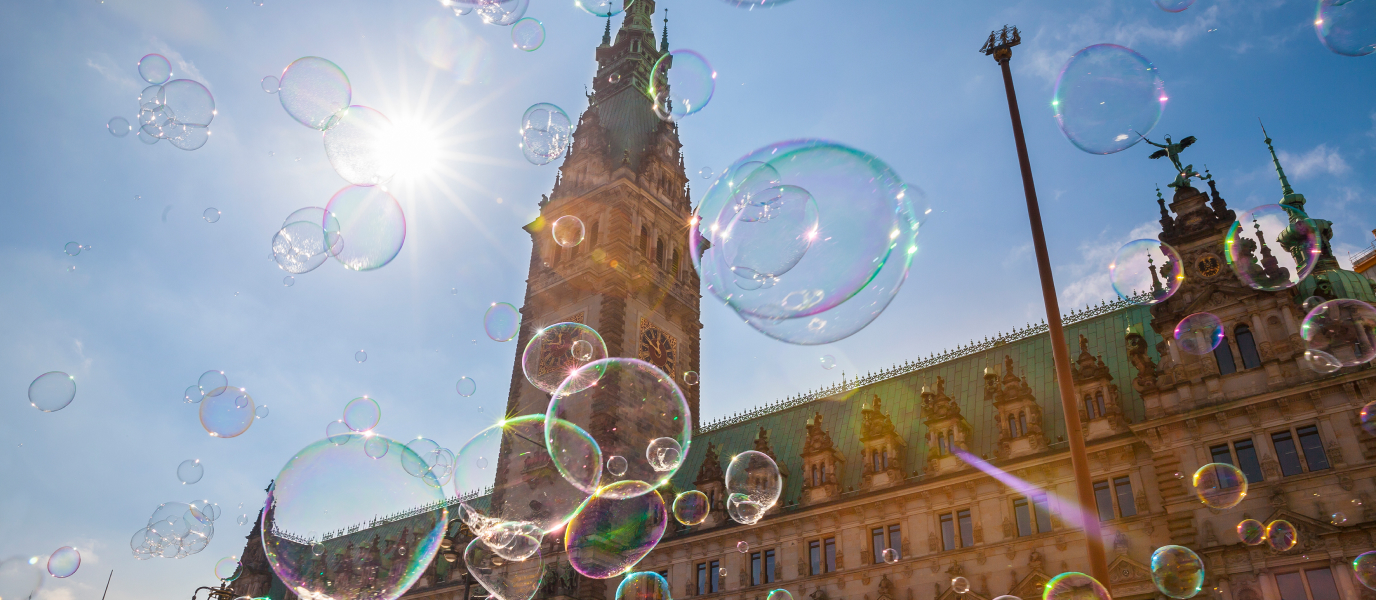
(635,45)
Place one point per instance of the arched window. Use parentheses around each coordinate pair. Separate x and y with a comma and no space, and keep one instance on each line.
(1022,422)
(1099,402)
(814,475)
(951,440)
(1224,355)
(635,45)
(644,240)
(592,237)
(874,461)
(941,443)
(659,253)
(677,265)
(1013,426)
(884,458)
(1247,346)
(1089,406)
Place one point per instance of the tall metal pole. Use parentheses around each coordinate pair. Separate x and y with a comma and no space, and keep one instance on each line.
(1000,46)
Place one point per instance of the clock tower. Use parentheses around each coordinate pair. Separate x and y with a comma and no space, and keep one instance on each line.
(631,278)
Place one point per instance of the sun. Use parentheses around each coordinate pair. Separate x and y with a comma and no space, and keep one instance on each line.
(415,148)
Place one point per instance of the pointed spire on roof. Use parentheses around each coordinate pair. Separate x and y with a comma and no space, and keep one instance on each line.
(664,33)
(607,33)
(1284,183)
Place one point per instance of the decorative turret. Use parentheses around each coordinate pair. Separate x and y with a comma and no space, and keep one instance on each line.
(1145,382)
(882,451)
(1101,412)
(821,464)
(1019,415)
(711,479)
(947,430)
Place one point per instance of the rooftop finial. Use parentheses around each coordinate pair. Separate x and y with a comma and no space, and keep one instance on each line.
(1284,183)
(664,33)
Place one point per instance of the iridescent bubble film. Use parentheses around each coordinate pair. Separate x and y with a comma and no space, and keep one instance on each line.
(1364,567)
(828,362)
(500,578)
(118,126)
(466,387)
(603,8)
(227,412)
(644,586)
(1074,586)
(691,507)
(313,91)
(779,594)
(1199,333)
(365,227)
(361,146)
(1107,97)
(1272,247)
(502,12)
(501,322)
(616,465)
(64,562)
(1281,535)
(362,414)
(228,568)
(350,498)
(664,454)
(1146,272)
(1251,531)
(190,471)
(1343,329)
(189,101)
(567,231)
(889,555)
(1177,571)
(545,133)
(1219,485)
(155,69)
(753,485)
(270,84)
(299,247)
(615,529)
(1174,6)
(1347,27)
(377,446)
(210,381)
(549,358)
(528,34)
(1367,417)
(642,400)
(682,84)
(691,377)
(52,391)
(960,585)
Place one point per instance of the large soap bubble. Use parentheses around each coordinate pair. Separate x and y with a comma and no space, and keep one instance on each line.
(52,391)
(502,12)
(855,258)
(1347,27)
(190,471)
(1344,329)
(20,576)
(64,562)
(632,405)
(753,485)
(227,412)
(314,91)
(1281,535)
(1177,571)
(1364,567)
(1220,485)
(348,496)
(501,322)
(1107,97)
(646,585)
(1199,333)
(366,227)
(502,579)
(1174,6)
(545,133)
(617,527)
(691,507)
(361,146)
(681,84)
(189,101)
(1074,586)
(362,414)
(550,357)
(299,247)
(1146,271)
(603,8)
(1273,247)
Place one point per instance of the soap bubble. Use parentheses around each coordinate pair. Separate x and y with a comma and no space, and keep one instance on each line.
(362,414)
(210,381)
(337,488)
(366,228)
(155,121)
(501,322)
(1367,417)
(616,465)
(1337,518)
(118,126)
(754,484)
(1272,247)
(1074,586)
(361,146)
(603,8)
(155,69)
(1343,329)
(72,248)
(1281,535)
(227,412)
(528,34)
(1174,6)
(568,231)
(497,578)
(531,491)
(1146,272)
(1177,571)
(691,507)
(190,102)
(550,358)
(299,247)
(768,237)
(64,562)
(313,91)
(865,239)
(690,83)
(1320,361)
(1199,333)
(705,172)
(466,387)
(502,12)
(211,215)
(1219,485)
(1251,532)
(544,132)
(145,138)
(1107,97)
(190,471)
(1364,567)
(376,446)
(52,391)
(228,568)
(691,377)
(192,394)
(616,527)
(270,84)
(644,586)
(1347,27)
(581,350)
(828,362)
(361,356)
(960,585)
(261,412)
(288,281)
(664,454)
(643,401)
(889,555)
(779,594)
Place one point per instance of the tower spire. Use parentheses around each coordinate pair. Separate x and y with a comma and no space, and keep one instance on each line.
(664,33)
(1284,183)
(607,33)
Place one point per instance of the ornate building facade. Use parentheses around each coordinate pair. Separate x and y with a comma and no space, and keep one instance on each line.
(886,461)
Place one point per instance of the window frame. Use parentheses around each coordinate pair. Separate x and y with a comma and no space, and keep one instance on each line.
(1024,515)
(1110,487)
(1298,453)
(947,524)
(1247,346)
(1119,483)
(814,556)
(1306,586)
(1223,355)
(965,520)
(885,537)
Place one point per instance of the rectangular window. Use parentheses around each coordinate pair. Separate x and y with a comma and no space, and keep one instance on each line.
(1042,512)
(1286,454)
(948,532)
(1122,488)
(1291,586)
(877,544)
(755,560)
(896,540)
(814,554)
(829,545)
(702,578)
(761,567)
(1313,447)
(714,576)
(1321,584)
(1104,499)
(967,534)
(1247,460)
(769,566)
(1220,454)
(1022,513)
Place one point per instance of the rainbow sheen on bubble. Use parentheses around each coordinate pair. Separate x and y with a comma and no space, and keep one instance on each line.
(603,8)
(838,275)
(642,400)
(1177,571)
(502,12)
(681,84)
(361,146)
(1281,535)
(501,578)
(616,528)
(1343,330)
(155,69)
(1199,333)
(364,227)
(528,34)
(342,491)
(691,507)
(1107,97)
(1346,27)
(960,585)
(1219,485)
(1074,586)
(1174,6)
(226,412)
(501,322)
(52,391)
(753,485)
(1272,247)
(1364,567)
(1251,532)
(228,568)
(314,91)
(644,586)
(1146,272)
(64,562)
(545,133)
(362,414)
(550,357)
(567,231)
(190,471)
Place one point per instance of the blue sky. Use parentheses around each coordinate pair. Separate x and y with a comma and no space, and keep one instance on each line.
(154,303)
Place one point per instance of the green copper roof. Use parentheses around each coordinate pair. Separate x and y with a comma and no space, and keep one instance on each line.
(1336,283)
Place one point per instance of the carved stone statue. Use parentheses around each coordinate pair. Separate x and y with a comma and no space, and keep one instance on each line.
(1173,150)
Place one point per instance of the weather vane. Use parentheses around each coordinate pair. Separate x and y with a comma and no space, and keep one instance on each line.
(1173,150)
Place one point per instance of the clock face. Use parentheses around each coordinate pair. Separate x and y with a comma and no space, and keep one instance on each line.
(556,354)
(1208,265)
(658,348)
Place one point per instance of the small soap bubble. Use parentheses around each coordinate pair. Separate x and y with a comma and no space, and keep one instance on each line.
(337,432)
(581,350)
(193,394)
(603,8)
(72,248)
(502,12)
(190,471)
(288,281)
(567,231)
(691,507)
(1251,532)
(269,84)
(361,146)
(466,387)
(1177,571)
(1146,272)
(753,485)
(227,569)
(615,529)
(550,359)
(52,391)
(155,69)
(643,586)
(828,362)
(1311,303)
(1337,518)
(261,412)
(361,356)
(1220,485)
(1273,247)
(779,594)
(211,215)
(527,34)
(1074,586)
(1341,331)
(227,412)
(376,447)
(1174,6)
(691,83)
(691,377)
(1281,535)
(1107,97)
(65,561)
(1199,333)
(890,555)
(366,227)
(118,126)
(71,268)
(314,91)
(362,414)
(664,454)
(616,465)
(545,130)
(742,546)
(960,585)
(501,322)
(721,572)
(705,172)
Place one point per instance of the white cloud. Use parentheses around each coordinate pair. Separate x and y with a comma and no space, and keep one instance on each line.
(103,64)
(1088,278)
(1051,48)
(181,67)
(1319,161)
